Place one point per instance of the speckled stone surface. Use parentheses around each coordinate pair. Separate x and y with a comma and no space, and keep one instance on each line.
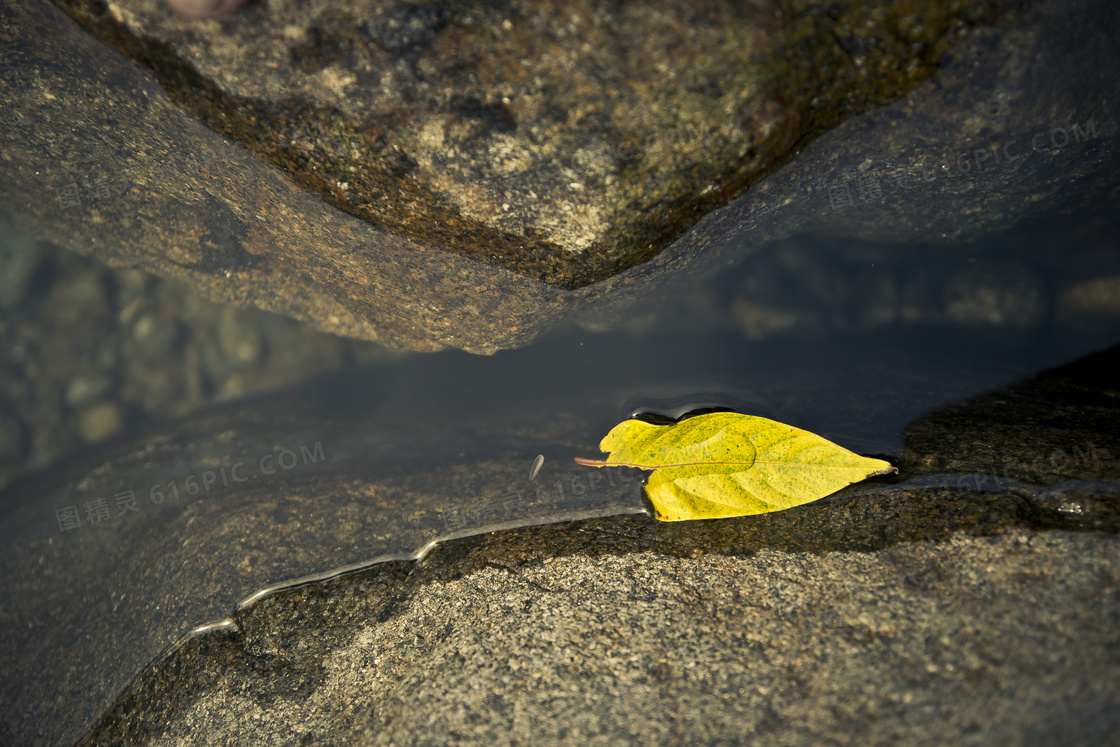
(972,641)
(99,158)
(566,141)
(585,634)
(964,611)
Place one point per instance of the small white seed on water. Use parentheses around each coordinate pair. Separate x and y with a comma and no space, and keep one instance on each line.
(536,468)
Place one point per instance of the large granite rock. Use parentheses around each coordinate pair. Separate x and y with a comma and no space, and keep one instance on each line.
(236,503)
(942,609)
(106,158)
(564,141)
(550,640)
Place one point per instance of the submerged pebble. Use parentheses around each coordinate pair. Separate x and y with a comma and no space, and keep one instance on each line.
(100,421)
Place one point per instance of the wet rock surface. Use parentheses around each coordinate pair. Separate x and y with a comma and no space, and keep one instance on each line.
(616,643)
(958,611)
(138,180)
(1071,410)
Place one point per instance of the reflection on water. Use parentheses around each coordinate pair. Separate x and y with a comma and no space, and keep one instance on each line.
(116,552)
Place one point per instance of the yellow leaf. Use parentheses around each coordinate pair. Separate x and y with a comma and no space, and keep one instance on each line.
(725,464)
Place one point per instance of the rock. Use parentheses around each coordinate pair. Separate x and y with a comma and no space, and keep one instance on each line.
(18,262)
(81,332)
(850,622)
(814,287)
(446,266)
(155,338)
(381,463)
(100,420)
(132,286)
(13,442)
(758,323)
(239,343)
(587,636)
(1100,296)
(535,137)
(81,300)
(995,293)
(1013,281)
(84,389)
(1055,426)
